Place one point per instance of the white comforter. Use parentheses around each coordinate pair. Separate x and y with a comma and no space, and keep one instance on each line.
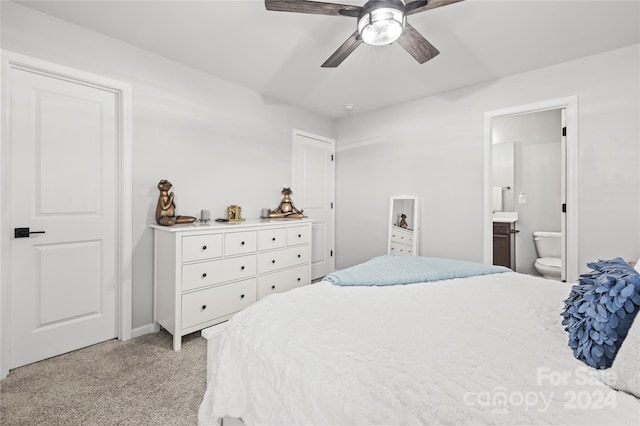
(479,350)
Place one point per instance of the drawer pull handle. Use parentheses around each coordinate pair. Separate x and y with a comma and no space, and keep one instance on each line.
(273,287)
(273,239)
(299,235)
(204,275)
(204,247)
(273,261)
(242,268)
(204,307)
(299,256)
(242,243)
(242,296)
(298,279)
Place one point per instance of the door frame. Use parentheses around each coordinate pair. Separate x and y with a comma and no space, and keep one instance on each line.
(331,186)
(570,105)
(124,236)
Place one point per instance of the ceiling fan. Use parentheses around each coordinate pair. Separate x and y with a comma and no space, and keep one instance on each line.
(380,22)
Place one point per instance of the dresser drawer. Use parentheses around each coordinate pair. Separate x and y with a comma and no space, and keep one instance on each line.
(206,305)
(240,242)
(201,247)
(298,235)
(272,238)
(278,282)
(202,274)
(397,248)
(285,258)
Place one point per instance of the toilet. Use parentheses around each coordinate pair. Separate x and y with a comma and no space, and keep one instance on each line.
(548,247)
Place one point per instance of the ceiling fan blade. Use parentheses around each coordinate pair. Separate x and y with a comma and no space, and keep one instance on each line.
(314,7)
(343,51)
(412,5)
(422,5)
(417,46)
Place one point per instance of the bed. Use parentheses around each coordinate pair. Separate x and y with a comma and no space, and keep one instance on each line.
(479,349)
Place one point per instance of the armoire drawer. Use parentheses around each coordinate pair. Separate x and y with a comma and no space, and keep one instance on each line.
(272,238)
(206,305)
(274,260)
(202,274)
(402,237)
(397,248)
(278,282)
(201,247)
(298,235)
(240,242)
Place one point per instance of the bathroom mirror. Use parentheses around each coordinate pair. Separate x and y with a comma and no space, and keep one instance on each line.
(404,227)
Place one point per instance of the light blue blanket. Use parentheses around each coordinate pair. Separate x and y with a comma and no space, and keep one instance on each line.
(396,269)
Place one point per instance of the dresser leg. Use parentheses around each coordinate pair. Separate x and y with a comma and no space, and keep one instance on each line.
(177,342)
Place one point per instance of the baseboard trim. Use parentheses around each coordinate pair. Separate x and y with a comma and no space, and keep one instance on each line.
(145,329)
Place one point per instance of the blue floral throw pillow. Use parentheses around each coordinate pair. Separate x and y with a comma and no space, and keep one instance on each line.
(600,310)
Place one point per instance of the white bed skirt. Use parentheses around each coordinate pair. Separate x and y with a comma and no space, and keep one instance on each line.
(213,336)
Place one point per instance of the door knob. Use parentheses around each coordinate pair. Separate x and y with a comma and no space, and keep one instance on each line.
(24,232)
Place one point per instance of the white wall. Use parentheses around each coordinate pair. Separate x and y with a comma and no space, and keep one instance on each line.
(433,147)
(218,143)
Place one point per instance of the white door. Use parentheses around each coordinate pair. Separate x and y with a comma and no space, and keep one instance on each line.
(63,157)
(314,190)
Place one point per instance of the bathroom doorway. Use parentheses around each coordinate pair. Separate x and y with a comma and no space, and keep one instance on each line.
(531,182)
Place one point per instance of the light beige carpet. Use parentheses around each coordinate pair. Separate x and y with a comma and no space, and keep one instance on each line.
(139,382)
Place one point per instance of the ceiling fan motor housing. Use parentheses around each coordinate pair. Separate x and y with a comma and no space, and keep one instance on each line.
(381,22)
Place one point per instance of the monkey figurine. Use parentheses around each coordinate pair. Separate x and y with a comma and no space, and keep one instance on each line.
(286,207)
(166,208)
(403,221)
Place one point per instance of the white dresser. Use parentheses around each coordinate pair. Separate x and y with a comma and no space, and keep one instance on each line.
(204,274)
(401,241)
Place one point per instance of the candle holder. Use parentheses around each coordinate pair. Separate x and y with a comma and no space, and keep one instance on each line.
(204,217)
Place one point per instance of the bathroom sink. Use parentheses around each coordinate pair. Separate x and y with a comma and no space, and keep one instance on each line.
(505,217)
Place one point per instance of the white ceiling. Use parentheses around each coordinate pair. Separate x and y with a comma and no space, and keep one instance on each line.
(279,54)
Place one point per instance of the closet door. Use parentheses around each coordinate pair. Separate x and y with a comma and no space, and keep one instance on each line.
(314,191)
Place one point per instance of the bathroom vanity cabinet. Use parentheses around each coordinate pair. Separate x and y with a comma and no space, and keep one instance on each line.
(502,242)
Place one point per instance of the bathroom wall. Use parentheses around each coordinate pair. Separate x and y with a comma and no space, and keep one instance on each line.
(537,171)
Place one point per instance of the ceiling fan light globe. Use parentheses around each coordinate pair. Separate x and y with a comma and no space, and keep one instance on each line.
(381,26)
